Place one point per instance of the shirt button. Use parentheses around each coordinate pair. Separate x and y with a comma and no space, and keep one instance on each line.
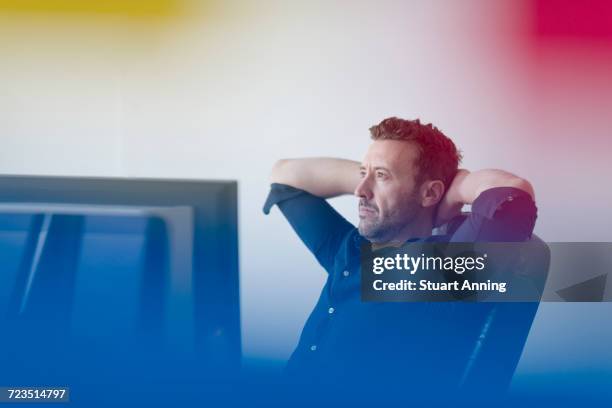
(331,310)
(313,347)
(510,198)
(346,273)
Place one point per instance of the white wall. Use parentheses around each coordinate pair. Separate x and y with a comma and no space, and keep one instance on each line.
(231,87)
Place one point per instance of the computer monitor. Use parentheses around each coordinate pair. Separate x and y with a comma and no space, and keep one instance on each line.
(116,280)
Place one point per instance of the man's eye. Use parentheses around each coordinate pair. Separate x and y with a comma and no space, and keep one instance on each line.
(362,174)
(380,174)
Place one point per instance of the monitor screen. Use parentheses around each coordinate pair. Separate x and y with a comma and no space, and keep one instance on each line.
(118,281)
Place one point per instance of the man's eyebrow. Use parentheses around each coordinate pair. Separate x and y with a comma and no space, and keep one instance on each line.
(362,167)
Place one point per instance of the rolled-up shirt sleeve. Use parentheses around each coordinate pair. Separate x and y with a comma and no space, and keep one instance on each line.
(500,214)
(316,222)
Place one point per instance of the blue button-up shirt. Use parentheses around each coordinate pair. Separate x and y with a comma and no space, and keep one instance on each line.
(347,340)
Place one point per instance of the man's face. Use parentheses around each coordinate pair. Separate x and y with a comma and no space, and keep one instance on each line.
(389,198)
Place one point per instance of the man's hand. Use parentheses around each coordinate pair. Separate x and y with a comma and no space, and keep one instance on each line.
(466,187)
(452,202)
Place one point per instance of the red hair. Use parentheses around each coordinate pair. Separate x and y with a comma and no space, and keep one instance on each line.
(438,156)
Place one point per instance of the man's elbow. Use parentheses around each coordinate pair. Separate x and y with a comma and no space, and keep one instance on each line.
(279,172)
(524,185)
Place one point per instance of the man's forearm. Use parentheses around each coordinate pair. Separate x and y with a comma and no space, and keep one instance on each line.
(471,185)
(321,176)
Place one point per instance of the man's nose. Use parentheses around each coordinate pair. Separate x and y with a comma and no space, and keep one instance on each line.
(363,189)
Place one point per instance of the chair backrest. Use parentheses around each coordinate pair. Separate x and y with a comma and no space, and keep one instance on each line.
(504,331)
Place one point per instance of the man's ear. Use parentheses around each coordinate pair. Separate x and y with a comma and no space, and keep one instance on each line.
(432,192)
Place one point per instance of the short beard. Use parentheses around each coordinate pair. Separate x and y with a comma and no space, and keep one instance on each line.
(385,230)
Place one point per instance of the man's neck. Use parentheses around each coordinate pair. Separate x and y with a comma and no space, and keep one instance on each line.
(420,228)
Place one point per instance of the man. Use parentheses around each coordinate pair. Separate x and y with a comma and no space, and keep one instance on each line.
(407,184)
